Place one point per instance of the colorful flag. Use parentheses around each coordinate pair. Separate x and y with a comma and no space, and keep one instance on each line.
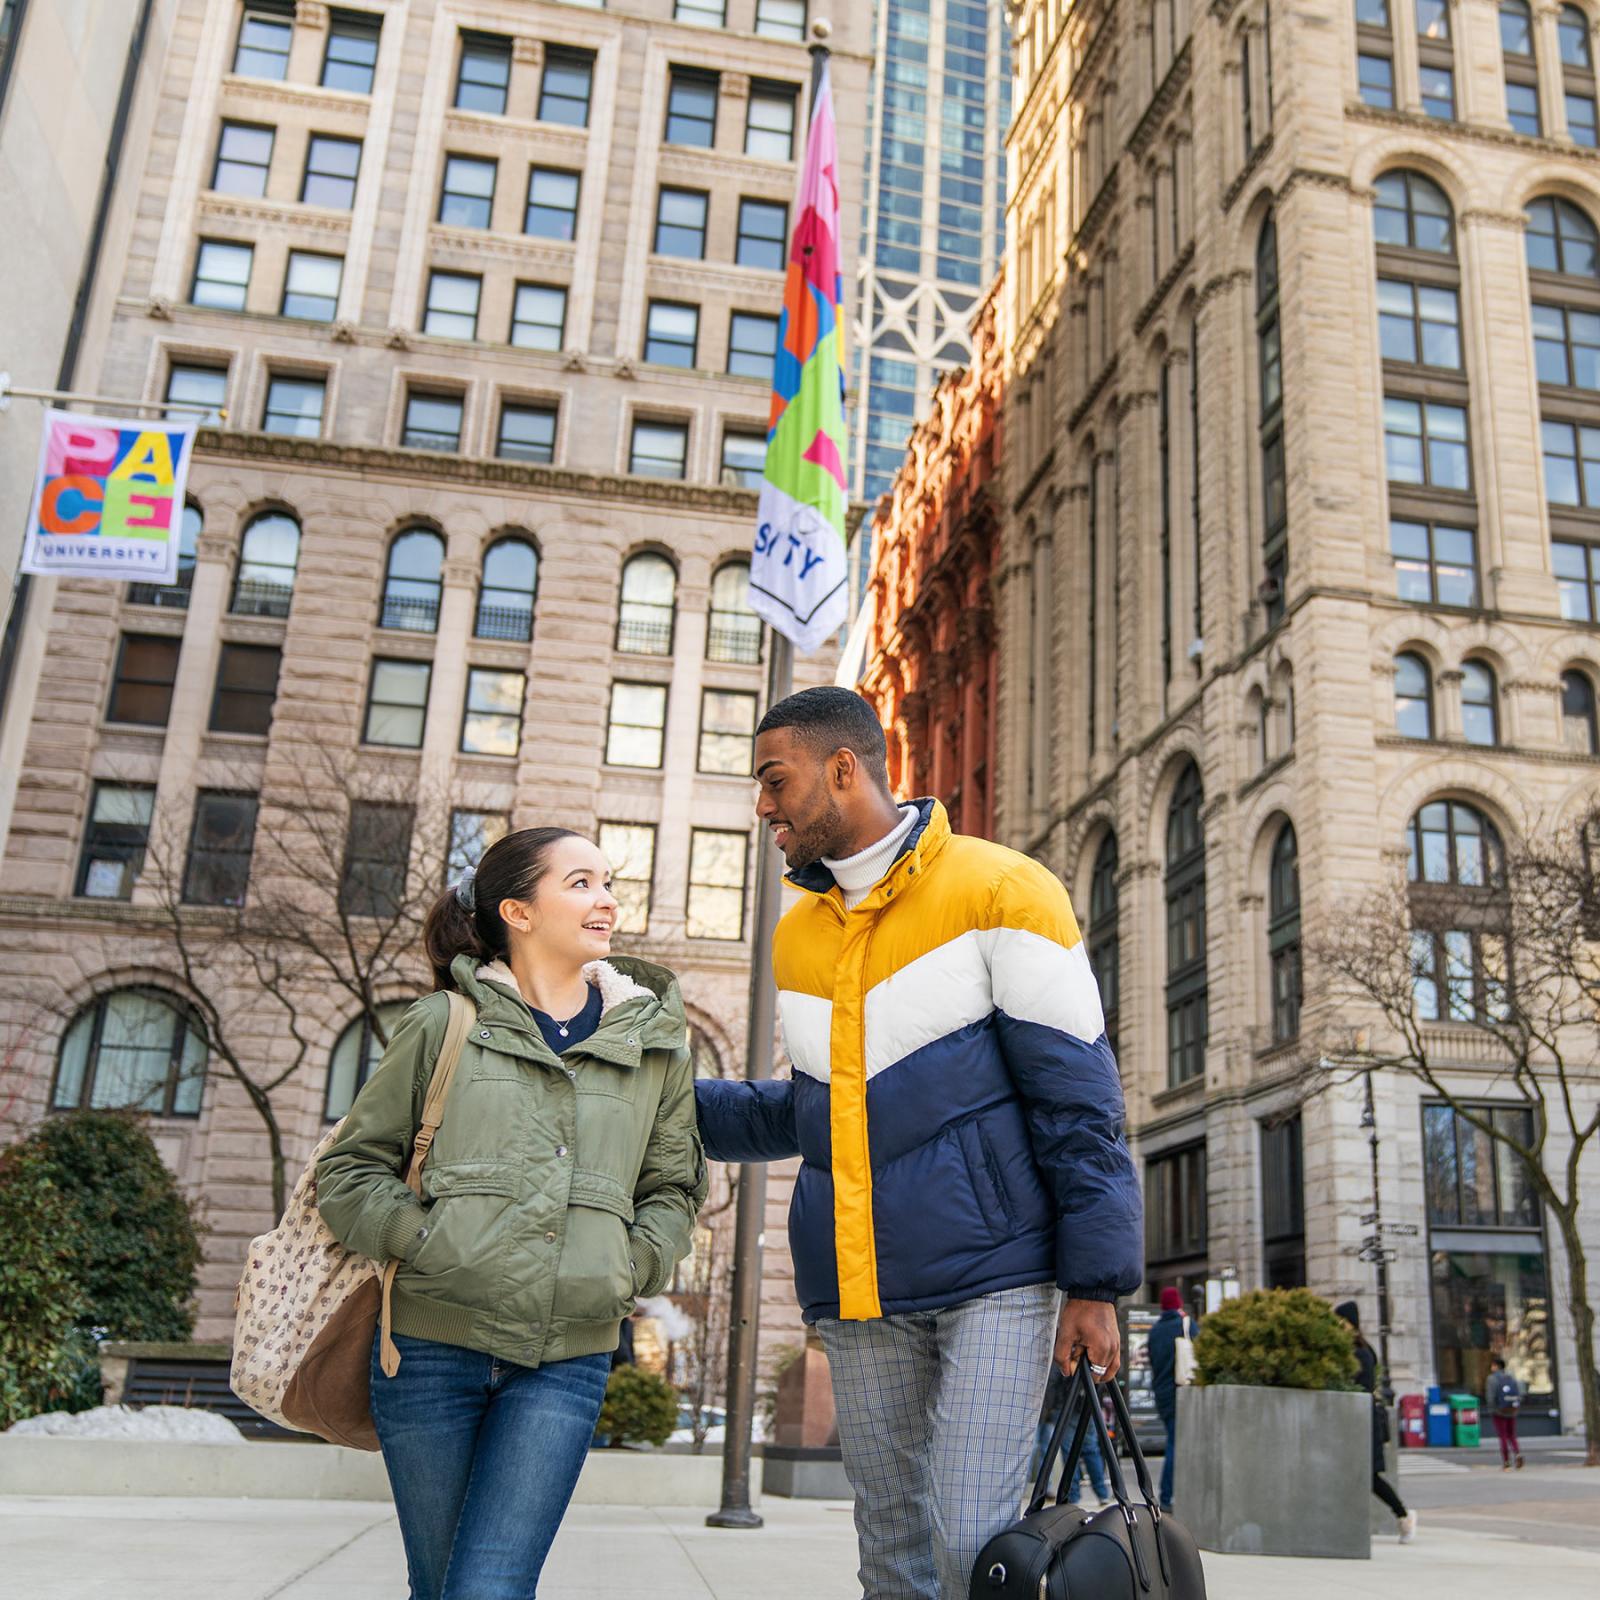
(108,498)
(797,573)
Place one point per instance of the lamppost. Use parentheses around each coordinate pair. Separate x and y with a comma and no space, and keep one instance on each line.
(1373,1248)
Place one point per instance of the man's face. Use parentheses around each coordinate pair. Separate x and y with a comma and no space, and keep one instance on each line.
(798,801)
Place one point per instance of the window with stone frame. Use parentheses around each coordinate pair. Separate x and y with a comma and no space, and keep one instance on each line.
(1274,471)
(356,1055)
(630,848)
(135,1049)
(1375,53)
(1413,696)
(114,840)
(733,630)
(147,670)
(1175,1208)
(220,845)
(351,59)
(1105,936)
(1579,731)
(483,74)
(1186,988)
(1460,916)
(1521,63)
(508,590)
(1573,34)
(377,854)
(647,611)
(246,689)
(1436,59)
(1480,703)
(1283,1206)
(266,31)
(1283,935)
(413,582)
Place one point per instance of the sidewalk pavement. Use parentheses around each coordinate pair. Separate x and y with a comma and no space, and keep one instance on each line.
(159,1549)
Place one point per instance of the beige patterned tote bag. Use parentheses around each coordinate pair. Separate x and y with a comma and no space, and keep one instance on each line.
(306,1307)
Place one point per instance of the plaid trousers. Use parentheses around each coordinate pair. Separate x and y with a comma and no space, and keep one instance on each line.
(937,1416)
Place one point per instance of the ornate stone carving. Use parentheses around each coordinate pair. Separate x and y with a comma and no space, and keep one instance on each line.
(160,308)
(398,338)
(735,86)
(342,332)
(527,52)
(311,14)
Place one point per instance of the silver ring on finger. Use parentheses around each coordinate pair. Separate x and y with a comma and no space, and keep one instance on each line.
(1099,1372)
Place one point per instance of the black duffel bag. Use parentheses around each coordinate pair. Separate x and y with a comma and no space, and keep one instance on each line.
(1125,1552)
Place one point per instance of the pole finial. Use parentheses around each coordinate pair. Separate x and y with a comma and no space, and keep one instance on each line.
(821,30)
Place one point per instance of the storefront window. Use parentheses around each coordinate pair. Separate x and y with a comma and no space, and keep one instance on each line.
(1488,1303)
(1475,1181)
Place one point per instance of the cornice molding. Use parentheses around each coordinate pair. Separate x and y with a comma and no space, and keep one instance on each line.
(1164,99)
(1184,261)
(263,214)
(1505,138)
(1241,180)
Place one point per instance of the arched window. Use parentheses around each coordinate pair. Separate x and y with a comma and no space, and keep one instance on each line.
(1187,1025)
(138,1049)
(1283,935)
(1480,721)
(733,630)
(1411,211)
(263,585)
(175,596)
(1413,697)
(1105,949)
(1577,74)
(506,594)
(357,1053)
(1458,914)
(1274,477)
(1375,53)
(1521,65)
(645,617)
(412,583)
(1577,713)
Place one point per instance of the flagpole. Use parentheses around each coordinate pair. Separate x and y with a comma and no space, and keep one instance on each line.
(744,1324)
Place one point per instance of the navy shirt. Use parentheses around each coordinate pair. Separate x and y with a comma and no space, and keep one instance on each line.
(577,1030)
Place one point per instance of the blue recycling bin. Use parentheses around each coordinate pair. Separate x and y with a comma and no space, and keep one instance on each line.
(1441,1420)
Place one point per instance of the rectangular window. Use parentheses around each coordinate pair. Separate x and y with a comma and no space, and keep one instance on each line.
(671,334)
(219,849)
(492,725)
(565,88)
(244,157)
(352,54)
(1571,464)
(484,76)
(294,406)
(1522,107)
(552,204)
(452,309)
(311,286)
(1425,442)
(1175,1205)
(681,224)
(769,123)
(114,842)
(1419,325)
(200,391)
(397,703)
(1283,1206)
(471,833)
(467,197)
(247,686)
(377,853)
(715,908)
(221,275)
(1581,120)
(1577,571)
(264,38)
(763,234)
(433,421)
(630,847)
(147,668)
(691,108)
(1473,1180)
(332,166)
(752,345)
(637,724)
(744,460)
(781,19)
(1434,564)
(727,732)
(527,433)
(1566,346)
(702,13)
(1438,87)
(539,317)
(659,449)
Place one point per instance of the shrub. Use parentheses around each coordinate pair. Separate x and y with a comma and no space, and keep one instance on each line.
(1276,1339)
(39,1244)
(639,1408)
(141,1243)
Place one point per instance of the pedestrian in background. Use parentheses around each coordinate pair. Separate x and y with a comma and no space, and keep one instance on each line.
(1172,1326)
(1367,1377)
(1505,1400)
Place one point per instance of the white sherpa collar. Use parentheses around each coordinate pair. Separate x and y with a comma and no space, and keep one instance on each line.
(614,986)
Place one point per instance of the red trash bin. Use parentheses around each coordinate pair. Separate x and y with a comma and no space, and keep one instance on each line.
(1413,1420)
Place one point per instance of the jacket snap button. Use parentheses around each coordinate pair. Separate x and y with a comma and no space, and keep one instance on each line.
(549,1238)
(483,1033)
(561,1149)
(571,1074)
(633,1041)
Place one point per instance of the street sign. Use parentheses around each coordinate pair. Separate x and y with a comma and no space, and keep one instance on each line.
(1406,1230)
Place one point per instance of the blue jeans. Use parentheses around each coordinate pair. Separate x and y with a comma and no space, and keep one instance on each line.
(483,1456)
(1169,1420)
(1091,1461)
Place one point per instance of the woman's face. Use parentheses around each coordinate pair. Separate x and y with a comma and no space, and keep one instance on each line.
(573,913)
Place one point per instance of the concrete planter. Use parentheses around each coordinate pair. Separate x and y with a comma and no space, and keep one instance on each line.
(1275,1472)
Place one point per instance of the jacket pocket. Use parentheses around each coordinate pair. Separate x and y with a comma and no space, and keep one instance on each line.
(987,1180)
(473,1177)
(594,1278)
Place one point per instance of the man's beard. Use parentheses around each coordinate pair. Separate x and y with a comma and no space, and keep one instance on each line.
(822,837)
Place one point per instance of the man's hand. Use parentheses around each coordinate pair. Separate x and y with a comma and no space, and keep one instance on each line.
(1089,1327)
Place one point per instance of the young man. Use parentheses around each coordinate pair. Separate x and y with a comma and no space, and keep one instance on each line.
(961,1122)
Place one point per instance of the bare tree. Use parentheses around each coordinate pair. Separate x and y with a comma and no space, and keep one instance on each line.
(1511,956)
(710,1301)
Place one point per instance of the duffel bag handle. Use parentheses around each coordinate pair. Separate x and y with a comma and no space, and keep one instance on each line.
(1119,1404)
(1041,1487)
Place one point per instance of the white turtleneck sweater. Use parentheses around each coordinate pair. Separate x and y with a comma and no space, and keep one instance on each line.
(856,874)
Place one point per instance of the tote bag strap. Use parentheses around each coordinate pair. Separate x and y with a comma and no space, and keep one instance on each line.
(462,1015)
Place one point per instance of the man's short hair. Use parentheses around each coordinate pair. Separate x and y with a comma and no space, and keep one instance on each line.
(829,718)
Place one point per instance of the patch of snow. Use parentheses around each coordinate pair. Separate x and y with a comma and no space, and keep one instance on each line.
(170,1423)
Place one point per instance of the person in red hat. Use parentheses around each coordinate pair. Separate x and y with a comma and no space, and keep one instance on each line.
(1171,1351)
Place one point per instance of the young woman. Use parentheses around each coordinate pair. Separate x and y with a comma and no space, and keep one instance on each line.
(562,1185)
(1367,1377)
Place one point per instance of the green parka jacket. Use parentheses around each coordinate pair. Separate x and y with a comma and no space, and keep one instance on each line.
(558,1188)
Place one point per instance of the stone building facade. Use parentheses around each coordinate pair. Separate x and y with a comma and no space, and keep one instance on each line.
(930,665)
(480,298)
(1297,596)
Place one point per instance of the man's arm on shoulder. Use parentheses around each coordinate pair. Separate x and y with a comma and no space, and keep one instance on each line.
(1052,1032)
